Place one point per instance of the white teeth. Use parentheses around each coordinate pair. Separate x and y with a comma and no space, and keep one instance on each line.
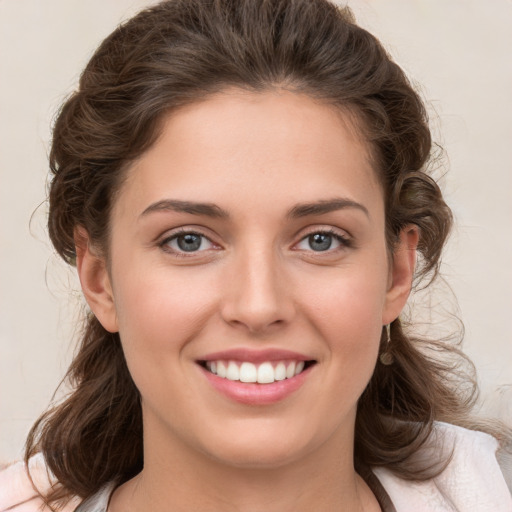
(290,370)
(264,373)
(221,369)
(280,372)
(248,372)
(233,373)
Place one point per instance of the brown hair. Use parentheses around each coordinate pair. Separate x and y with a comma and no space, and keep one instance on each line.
(182,51)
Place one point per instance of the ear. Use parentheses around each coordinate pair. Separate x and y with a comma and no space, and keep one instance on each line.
(401,274)
(95,281)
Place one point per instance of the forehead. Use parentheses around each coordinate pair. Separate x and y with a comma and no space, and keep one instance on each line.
(269,148)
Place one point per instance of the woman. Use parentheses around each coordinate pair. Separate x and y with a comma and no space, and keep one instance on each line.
(243,189)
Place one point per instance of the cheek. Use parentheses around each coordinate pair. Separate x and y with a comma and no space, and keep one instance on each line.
(348,298)
(158,316)
(159,312)
(347,310)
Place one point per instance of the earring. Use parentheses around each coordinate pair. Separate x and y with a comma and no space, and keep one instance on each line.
(386,358)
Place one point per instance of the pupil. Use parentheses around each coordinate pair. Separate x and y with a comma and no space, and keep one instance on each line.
(320,241)
(189,242)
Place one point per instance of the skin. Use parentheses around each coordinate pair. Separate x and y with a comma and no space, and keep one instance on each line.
(255,283)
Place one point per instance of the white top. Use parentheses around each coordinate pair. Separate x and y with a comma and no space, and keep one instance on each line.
(473,481)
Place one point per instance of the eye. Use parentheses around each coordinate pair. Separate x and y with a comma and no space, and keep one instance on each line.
(322,241)
(187,242)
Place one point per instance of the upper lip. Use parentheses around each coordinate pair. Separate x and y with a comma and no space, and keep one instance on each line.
(255,356)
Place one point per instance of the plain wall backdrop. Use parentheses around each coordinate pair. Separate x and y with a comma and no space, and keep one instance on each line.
(457,51)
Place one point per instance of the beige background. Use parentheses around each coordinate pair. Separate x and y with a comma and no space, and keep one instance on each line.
(458,50)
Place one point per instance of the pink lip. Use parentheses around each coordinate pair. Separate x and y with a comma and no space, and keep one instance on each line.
(254,393)
(255,356)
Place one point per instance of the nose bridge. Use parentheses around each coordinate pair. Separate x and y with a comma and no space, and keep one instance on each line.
(258,297)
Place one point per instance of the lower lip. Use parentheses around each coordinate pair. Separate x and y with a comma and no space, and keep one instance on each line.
(254,393)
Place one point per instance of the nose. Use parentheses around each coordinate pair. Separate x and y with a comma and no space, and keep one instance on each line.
(258,297)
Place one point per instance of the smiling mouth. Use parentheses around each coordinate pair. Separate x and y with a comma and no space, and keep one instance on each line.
(263,373)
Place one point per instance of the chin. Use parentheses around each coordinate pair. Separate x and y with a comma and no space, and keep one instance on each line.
(260,447)
(255,458)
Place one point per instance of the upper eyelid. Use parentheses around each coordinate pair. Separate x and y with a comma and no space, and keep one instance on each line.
(182,233)
(333,234)
(173,233)
(332,230)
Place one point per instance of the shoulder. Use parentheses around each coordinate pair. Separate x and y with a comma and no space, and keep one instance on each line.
(18,492)
(472,481)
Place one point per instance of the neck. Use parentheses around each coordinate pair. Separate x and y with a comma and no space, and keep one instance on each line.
(179,479)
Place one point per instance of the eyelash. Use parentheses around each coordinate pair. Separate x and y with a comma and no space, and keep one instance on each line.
(164,244)
(344,241)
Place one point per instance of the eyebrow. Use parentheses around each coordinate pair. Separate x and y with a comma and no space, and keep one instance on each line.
(174,205)
(325,206)
(212,210)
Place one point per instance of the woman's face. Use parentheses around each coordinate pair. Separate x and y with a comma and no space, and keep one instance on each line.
(248,244)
